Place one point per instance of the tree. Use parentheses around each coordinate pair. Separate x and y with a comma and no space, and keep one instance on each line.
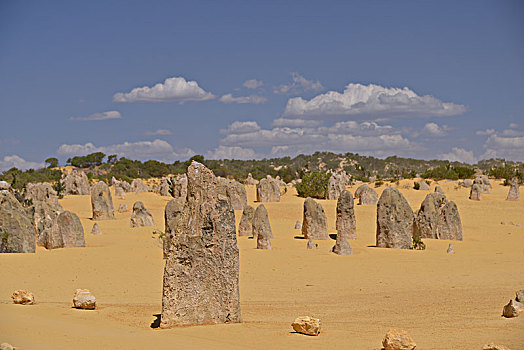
(51,162)
(314,184)
(111,159)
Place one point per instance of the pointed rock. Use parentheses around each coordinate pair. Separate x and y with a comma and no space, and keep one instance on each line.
(261,228)
(173,221)
(298,225)
(311,244)
(439,189)
(474,194)
(346,224)
(314,223)
(268,191)
(245,227)
(514,191)
(450,249)
(394,220)
(102,202)
(67,232)
(96,230)
(366,195)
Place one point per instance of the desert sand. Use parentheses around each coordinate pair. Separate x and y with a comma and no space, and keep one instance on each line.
(445,301)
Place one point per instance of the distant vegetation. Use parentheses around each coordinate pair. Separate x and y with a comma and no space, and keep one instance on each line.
(101,167)
(314,185)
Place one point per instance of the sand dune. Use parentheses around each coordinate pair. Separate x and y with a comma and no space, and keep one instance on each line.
(445,301)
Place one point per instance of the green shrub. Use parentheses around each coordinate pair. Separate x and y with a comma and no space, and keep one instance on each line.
(417,243)
(314,185)
(379,183)
(416,186)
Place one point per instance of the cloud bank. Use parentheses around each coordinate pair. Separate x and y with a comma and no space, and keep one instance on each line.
(175,89)
(298,83)
(365,101)
(15,161)
(228,98)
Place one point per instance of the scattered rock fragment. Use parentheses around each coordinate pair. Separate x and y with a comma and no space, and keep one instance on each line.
(311,244)
(398,340)
(141,216)
(122,208)
(439,189)
(493,346)
(7,346)
(298,225)
(513,309)
(23,297)
(520,296)
(306,325)
(450,249)
(422,185)
(83,299)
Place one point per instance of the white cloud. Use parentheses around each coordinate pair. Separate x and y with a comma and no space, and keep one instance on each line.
(100,116)
(513,125)
(228,98)
(239,127)
(459,155)
(365,137)
(15,161)
(158,132)
(485,132)
(157,149)
(434,129)
(295,122)
(175,89)
(500,146)
(225,152)
(361,101)
(299,82)
(253,84)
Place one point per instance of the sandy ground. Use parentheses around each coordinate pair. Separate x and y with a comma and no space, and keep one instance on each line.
(444,301)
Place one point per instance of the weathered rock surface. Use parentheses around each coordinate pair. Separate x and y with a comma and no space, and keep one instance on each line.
(164,189)
(172,220)
(439,189)
(306,325)
(298,225)
(336,185)
(83,299)
(180,186)
(398,340)
(138,186)
(450,249)
(7,346)
(394,220)
(493,346)
(17,234)
(467,183)
(23,297)
(5,186)
(513,309)
(262,228)
(483,183)
(250,180)
(202,267)
(75,183)
(475,192)
(102,202)
(449,225)
(122,208)
(67,232)
(346,224)
(520,296)
(245,227)
(366,195)
(141,216)
(119,191)
(311,244)
(44,217)
(268,191)
(96,230)
(422,185)
(427,217)
(514,191)
(314,223)
(42,192)
(237,195)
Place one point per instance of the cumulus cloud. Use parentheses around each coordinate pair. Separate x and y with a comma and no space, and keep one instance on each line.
(253,84)
(99,116)
(228,98)
(459,155)
(239,127)
(175,89)
(158,132)
(15,161)
(485,132)
(362,101)
(501,146)
(365,137)
(298,83)
(295,122)
(434,129)
(157,149)
(225,152)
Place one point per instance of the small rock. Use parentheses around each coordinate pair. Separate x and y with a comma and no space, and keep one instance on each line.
(518,224)
(513,309)
(450,249)
(122,208)
(311,244)
(520,296)
(96,230)
(83,299)
(502,223)
(23,297)
(510,223)
(493,346)
(398,340)
(298,225)
(306,325)
(6,346)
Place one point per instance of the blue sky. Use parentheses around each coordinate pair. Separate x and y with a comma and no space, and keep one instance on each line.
(246,79)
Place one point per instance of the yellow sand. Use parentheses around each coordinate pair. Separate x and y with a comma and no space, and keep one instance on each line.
(444,301)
